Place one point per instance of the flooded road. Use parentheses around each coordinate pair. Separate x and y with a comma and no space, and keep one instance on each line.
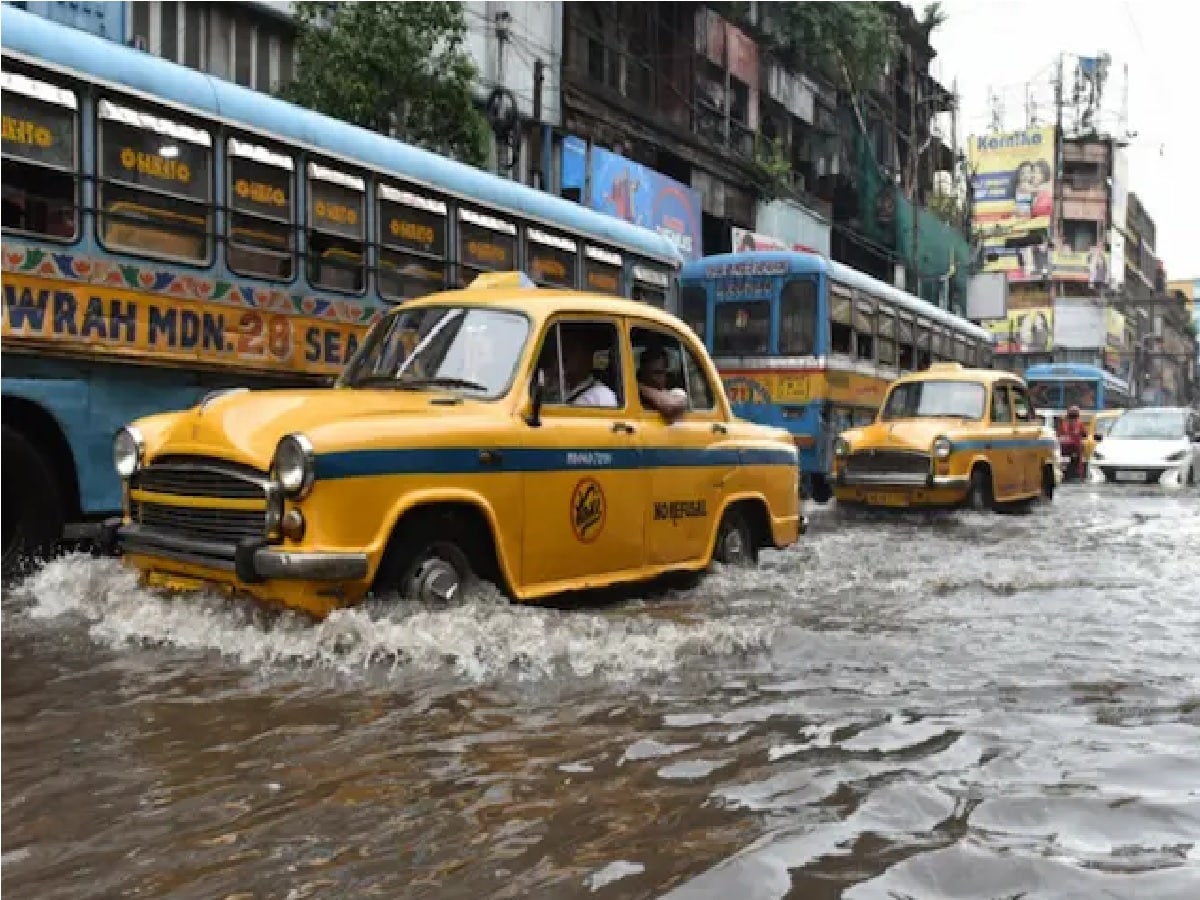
(971,706)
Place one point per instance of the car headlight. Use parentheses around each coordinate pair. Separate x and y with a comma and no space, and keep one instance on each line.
(294,466)
(129,449)
(841,447)
(941,447)
(1177,456)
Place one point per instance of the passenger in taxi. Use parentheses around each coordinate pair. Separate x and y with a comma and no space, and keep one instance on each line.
(652,385)
(581,387)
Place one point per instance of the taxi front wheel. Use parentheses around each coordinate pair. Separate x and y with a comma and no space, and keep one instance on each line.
(735,540)
(427,563)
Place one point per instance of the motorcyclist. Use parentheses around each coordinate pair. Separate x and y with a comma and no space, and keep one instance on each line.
(1070,441)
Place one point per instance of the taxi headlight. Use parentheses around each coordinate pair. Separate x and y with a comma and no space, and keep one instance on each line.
(1097,455)
(1177,456)
(941,447)
(294,466)
(841,447)
(129,449)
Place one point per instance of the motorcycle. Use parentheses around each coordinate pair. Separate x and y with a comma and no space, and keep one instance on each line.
(1076,468)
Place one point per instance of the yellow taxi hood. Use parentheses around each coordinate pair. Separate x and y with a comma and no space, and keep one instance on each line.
(903,434)
(245,426)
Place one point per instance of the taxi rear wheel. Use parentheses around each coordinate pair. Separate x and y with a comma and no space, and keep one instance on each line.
(735,540)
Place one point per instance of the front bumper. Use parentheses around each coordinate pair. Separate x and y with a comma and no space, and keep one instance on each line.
(901,481)
(1165,474)
(252,561)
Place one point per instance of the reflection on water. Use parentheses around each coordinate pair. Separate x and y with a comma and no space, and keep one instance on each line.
(963,706)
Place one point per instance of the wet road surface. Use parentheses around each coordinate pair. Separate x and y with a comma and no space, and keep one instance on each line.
(957,706)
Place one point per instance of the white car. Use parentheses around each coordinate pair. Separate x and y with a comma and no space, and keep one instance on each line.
(1151,445)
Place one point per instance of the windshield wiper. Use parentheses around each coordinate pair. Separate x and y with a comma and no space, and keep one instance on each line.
(444,382)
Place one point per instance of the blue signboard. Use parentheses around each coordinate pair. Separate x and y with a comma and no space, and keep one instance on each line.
(630,191)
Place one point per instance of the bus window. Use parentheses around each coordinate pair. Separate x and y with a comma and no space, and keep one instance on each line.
(336,229)
(841,322)
(693,309)
(985,356)
(921,342)
(650,286)
(485,244)
(260,226)
(155,184)
(602,271)
(40,156)
(798,318)
(905,347)
(960,350)
(864,331)
(412,243)
(887,338)
(938,345)
(552,258)
(969,354)
(742,329)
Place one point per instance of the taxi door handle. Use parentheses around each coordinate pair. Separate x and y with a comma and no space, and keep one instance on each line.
(625,427)
(718,428)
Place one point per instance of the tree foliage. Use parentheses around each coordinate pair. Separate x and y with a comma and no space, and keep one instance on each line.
(851,42)
(397,68)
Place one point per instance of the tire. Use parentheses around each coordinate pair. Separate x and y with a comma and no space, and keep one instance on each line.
(428,560)
(1048,482)
(32,514)
(979,497)
(735,541)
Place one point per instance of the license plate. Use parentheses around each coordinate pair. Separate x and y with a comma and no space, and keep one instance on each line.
(1131,476)
(887,499)
(179,583)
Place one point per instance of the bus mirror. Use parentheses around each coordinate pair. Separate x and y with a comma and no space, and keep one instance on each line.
(537,396)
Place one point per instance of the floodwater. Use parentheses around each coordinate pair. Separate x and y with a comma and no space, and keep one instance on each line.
(969,706)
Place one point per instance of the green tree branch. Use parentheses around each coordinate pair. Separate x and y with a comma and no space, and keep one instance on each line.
(396,68)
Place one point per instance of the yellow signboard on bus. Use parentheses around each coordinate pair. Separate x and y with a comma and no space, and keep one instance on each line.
(127,313)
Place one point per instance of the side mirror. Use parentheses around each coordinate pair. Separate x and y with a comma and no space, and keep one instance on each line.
(537,395)
(1099,438)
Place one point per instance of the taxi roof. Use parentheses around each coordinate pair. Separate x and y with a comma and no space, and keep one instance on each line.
(958,372)
(514,290)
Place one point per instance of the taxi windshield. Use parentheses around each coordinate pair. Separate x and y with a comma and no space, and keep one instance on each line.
(934,400)
(456,348)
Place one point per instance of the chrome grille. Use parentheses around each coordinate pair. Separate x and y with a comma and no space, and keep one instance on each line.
(225,526)
(887,462)
(199,476)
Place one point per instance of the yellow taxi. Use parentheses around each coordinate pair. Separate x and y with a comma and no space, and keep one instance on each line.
(547,441)
(948,436)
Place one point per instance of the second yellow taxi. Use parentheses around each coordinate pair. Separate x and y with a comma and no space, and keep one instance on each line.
(948,436)
(547,441)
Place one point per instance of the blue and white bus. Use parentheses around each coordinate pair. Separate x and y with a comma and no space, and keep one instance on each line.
(1056,387)
(811,345)
(166,233)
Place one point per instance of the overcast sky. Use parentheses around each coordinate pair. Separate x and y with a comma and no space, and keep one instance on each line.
(1000,45)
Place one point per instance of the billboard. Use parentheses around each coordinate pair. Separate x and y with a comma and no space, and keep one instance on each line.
(1041,263)
(1024,330)
(1012,182)
(641,196)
